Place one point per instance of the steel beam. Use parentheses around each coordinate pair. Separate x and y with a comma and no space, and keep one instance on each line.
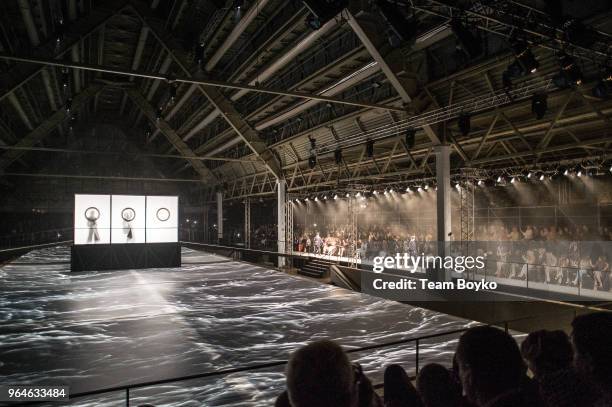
(150,112)
(236,32)
(44,128)
(367,26)
(21,73)
(188,78)
(28,20)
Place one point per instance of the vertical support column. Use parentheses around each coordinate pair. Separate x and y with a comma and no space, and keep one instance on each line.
(281,190)
(443,204)
(205,224)
(247,223)
(219,217)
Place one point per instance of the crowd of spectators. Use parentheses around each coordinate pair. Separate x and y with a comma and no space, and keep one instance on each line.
(576,255)
(488,370)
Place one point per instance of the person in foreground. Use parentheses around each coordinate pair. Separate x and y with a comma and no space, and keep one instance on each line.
(488,370)
(320,374)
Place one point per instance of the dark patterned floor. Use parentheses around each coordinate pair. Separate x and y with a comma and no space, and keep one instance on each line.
(100,329)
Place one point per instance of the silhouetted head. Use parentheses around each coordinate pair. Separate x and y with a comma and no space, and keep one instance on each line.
(320,374)
(489,363)
(437,387)
(591,336)
(547,351)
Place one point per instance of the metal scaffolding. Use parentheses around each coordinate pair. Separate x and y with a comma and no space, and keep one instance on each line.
(247,222)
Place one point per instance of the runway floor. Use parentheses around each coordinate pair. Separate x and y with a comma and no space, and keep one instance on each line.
(101,329)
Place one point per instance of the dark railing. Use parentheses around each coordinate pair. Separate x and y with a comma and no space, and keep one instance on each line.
(35,237)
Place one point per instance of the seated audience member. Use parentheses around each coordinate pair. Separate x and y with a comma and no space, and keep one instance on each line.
(549,356)
(491,370)
(320,374)
(591,338)
(399,391)
(437,387)
(282,400)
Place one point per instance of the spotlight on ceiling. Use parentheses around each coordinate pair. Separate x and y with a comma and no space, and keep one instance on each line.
(570,69)
(370,148)
(410,138)
(539,105)
(603,88)
(525,57)
(338,156)
(578,170)
(464,124)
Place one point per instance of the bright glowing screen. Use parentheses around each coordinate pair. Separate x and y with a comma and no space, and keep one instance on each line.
(104,219)
(128,219)
(92,218)
(162,219)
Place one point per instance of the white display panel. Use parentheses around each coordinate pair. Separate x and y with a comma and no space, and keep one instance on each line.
(162,219)
(92,219)
(128,219)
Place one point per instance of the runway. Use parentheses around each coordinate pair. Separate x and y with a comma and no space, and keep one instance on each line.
(94,330)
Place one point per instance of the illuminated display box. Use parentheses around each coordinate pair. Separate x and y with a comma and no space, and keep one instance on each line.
(125,231)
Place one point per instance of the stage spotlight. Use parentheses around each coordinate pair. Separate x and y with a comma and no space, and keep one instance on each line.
(172,92)
(480,182)
(530,174)
(323,11)
(391,190)
(603,89)
(570,69)
(325,197)
(410,138)
(408,189)
(464,124)
(499,179)
(426,186)
(59,30)
(512,180)
(312,161)
(566,172)
(316,199)
(578,170)
(338,156)
(65,77)
(420,189)
(358,194)
(539,104)
(335,196)
(541,177)
(313,22)
(375,192)
(525,57)
(468,41)
(370,148)
(348,195)
(306,199)
(198,54)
